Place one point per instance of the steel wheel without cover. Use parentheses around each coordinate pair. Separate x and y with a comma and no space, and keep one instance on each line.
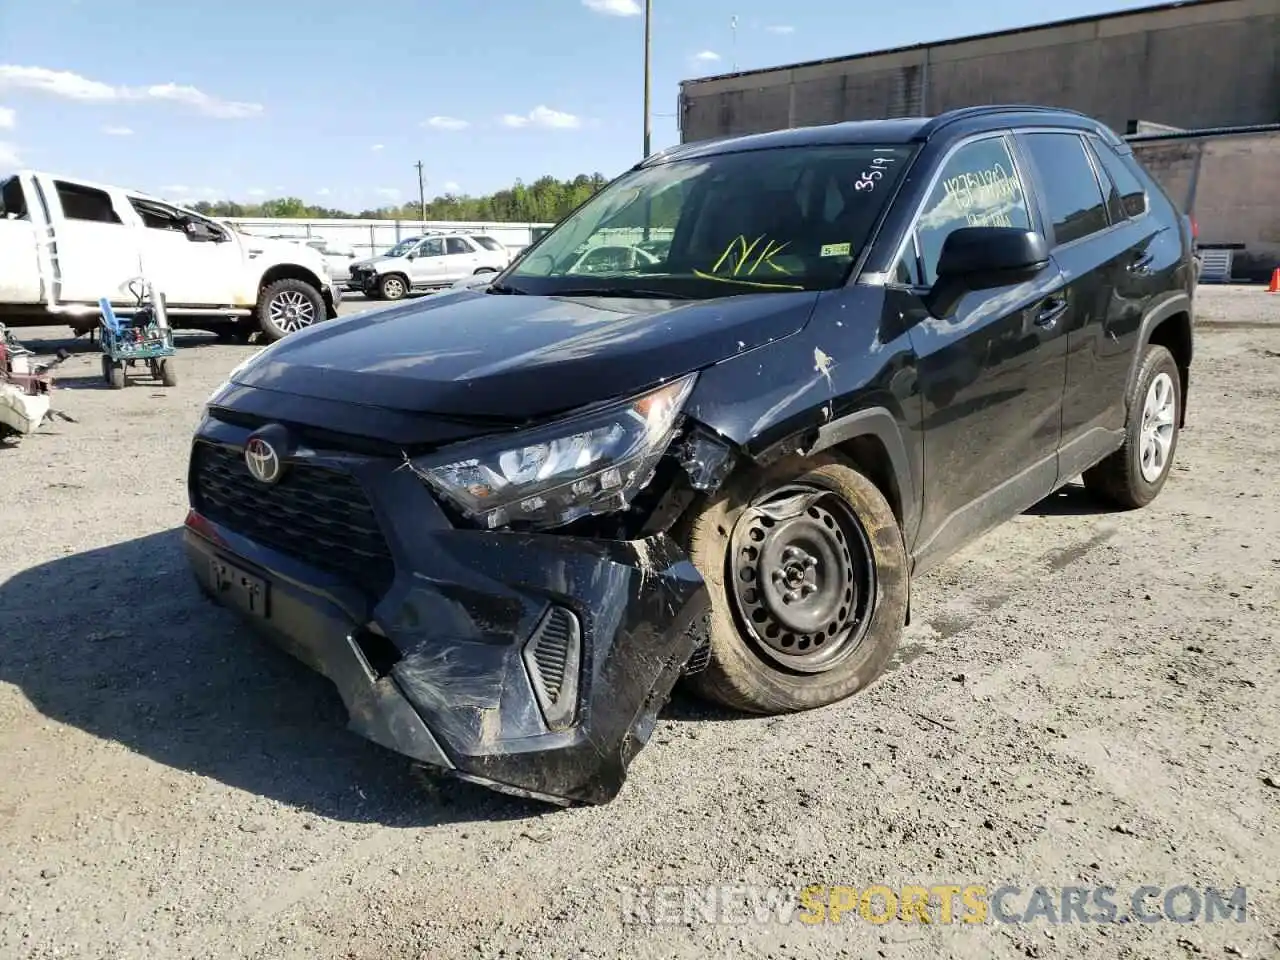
(803,578)
(291,311)
(1158,412)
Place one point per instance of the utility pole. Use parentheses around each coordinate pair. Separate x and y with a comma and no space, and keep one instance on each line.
(733,42)
(648,46)
(422,194)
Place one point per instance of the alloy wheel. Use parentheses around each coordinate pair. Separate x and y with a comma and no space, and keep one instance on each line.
(1158,413)
(290,311)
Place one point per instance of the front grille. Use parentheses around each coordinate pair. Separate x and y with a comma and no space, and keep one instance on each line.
(318,515)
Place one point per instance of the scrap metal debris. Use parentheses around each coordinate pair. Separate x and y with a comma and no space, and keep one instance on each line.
(24,388)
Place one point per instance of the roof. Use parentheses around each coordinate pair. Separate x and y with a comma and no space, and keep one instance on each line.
(909,48)
(899,130)
(81,182)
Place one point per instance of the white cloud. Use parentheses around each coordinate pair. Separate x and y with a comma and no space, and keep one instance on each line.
(707,56)
(389,192)
(323,192)
(447,123)
(614,8)
(781,28)
(182,192)
(72,86)
(376,147)
(9,155)
(257,192)
(117,131)
(544,117)
(8,118)
(451,187)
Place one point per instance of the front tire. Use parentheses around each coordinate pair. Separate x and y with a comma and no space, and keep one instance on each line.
(287,306)
(1135,474)
(392,287)
(807,573)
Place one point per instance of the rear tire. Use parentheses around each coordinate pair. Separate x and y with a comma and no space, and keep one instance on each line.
(115,374)
(287,306)
(1135,474)
(167,372)
(766,655)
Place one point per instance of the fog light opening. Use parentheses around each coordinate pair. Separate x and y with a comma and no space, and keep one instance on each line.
(376,650)
(553,658)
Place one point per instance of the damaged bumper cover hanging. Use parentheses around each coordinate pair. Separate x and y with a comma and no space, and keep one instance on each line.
(535,665)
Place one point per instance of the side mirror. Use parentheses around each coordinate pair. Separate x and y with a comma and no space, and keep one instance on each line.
(199,232)
(980,258)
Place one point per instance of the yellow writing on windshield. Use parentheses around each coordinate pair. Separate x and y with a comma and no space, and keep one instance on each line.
(744,251)
(763,285)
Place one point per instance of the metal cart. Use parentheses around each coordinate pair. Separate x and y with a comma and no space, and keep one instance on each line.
(144,337)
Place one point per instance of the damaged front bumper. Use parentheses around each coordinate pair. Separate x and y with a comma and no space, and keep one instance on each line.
(533,664)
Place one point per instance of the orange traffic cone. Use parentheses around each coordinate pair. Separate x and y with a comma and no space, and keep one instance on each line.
(1275,281)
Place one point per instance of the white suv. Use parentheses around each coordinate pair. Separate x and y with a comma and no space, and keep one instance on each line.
(435,262)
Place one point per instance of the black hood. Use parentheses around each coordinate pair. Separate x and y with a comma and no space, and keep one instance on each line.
(518,357)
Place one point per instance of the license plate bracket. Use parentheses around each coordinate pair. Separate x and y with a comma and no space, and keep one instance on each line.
(242,590)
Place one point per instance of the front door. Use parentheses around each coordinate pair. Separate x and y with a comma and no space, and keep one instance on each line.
(991,373)
(427,268)
(188,272)
(97,244)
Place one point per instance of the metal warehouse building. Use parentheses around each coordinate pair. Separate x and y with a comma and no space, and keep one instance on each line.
(1207,66)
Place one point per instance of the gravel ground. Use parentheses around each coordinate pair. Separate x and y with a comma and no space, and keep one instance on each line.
(1082,698)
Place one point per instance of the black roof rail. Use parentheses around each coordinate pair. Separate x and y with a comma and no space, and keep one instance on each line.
(966,113)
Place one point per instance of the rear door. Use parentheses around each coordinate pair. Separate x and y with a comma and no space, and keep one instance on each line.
(96,239)
(1097,247)
(461,258)
(991,373)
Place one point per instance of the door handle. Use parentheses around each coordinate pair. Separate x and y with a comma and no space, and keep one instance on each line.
(1050,311)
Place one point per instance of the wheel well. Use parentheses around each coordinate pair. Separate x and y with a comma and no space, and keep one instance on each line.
(1174,334)
(290,271)
(868,453)
(394,273)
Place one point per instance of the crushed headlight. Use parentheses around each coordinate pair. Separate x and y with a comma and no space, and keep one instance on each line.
(589,464)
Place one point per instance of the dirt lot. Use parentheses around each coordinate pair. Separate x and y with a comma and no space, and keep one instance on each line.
(1083,698)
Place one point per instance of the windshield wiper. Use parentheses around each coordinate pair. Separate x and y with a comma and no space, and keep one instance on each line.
(502,288)
(637,292)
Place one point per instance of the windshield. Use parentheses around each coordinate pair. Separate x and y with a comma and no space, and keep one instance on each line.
(788,218)
(403,247)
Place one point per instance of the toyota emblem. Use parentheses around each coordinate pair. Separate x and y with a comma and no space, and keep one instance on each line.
(262,460)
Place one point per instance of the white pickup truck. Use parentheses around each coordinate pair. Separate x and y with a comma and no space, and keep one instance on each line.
(66,243)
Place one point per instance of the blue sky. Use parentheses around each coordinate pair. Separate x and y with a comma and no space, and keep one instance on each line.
(334,101)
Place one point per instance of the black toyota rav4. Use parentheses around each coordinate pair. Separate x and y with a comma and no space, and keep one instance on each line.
(506,521)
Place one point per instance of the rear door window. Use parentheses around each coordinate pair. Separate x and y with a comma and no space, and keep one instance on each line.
(79,202)
(1077,207)
(456,245)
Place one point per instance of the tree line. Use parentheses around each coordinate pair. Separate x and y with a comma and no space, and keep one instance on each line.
(546,200)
